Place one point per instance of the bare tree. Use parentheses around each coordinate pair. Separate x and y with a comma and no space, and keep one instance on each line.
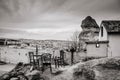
(75,40)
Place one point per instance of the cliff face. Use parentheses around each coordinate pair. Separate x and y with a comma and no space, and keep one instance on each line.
(88,36)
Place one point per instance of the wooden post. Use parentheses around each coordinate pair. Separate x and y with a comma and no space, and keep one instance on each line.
(72,57)
(62,57)
(72,50)
(36,50)
(53,54)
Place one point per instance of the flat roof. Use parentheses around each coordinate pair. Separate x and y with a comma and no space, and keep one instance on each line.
(95,42)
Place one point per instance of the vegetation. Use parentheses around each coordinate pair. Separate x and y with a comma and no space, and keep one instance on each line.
(111,64)
(87,73)
(75,40)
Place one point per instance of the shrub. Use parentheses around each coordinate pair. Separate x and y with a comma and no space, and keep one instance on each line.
(111,64)
(90,58)
(85,72)
(89,74)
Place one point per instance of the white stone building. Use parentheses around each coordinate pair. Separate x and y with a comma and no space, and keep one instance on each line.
(107,44)
(110,31)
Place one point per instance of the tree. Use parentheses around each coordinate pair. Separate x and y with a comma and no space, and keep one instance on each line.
(75,40)
(75,45)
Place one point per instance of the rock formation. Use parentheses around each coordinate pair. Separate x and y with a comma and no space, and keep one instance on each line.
(89,24)
(90,31)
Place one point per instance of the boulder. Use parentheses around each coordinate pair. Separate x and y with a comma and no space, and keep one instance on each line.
(14,78)
(34,75)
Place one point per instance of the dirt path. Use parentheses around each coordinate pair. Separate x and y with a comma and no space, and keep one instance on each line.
(6,68)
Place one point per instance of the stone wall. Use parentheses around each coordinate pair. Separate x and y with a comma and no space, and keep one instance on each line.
(14,55)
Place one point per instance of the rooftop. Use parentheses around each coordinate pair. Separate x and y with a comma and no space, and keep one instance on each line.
(112,26)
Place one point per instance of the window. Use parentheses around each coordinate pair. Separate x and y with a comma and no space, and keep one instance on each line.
(102,31)
(97,45)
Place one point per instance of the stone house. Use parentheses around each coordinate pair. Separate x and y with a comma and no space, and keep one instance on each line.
(108,41)
(110,31)
(90,31)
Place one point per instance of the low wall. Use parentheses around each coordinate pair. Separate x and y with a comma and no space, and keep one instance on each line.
(14,55)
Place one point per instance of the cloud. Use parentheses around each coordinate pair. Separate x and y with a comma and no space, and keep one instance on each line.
(25,10)
(41,17)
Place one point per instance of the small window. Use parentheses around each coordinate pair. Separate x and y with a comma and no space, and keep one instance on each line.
(97,45)
(102,31)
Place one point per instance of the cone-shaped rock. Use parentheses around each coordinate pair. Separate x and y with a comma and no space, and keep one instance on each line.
(90,29)
(89,24)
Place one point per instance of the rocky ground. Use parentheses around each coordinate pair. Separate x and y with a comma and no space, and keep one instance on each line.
(97,69)
(5,67)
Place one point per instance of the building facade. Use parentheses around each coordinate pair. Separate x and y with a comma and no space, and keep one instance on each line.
(110,31)
(90,31)
(97,48)
(108,38)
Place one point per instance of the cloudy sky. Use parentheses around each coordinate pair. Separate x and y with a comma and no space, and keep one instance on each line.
(51,19)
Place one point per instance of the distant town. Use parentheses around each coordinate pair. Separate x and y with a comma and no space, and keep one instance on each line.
(42,44)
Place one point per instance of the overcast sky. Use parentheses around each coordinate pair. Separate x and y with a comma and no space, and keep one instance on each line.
(52,19)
